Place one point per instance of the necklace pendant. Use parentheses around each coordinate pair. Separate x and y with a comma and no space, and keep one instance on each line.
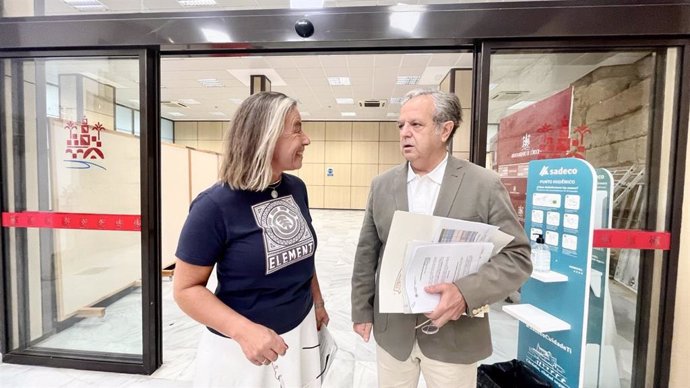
(274,193)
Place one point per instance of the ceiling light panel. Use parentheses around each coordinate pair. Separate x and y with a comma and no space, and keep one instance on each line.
(86,5)
(176,114)
(348,114)
(345,101)
(339,81)
(210,83)
(196,3)
(302,4)
(407,80)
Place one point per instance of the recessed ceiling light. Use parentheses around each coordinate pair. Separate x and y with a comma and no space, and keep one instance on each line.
(339,81)
(196,3)
(301,4)
(345,101)
(395,100)
(176,114)
(86,5)
(348,114)
(210,83)
(407,80)
(521,104)
(391,114)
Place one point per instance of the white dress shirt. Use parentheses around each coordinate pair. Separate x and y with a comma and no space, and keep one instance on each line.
(422,191)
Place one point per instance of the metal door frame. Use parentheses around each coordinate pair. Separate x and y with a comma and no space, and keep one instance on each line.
(149,74)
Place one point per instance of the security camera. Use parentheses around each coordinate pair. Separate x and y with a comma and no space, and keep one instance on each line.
(304,28)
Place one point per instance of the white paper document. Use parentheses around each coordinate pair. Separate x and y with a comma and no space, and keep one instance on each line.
(433,263)
(407,227)
(327,350)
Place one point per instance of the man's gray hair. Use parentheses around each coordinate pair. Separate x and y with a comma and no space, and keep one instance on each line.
(446,106)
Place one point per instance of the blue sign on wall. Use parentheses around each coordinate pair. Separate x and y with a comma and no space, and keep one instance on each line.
(559,206)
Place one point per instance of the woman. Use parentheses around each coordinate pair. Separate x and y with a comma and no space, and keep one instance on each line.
(255,227)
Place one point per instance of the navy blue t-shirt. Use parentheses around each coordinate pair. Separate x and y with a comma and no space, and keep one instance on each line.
(263,247)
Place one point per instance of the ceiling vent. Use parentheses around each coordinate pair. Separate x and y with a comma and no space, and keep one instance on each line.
(372,103)
(508,95)
(173,104)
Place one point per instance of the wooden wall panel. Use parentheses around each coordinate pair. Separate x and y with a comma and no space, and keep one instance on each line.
(175,199)
(312,174)
(365,131)
(341,174)
(338,152)
(314,152)
(358,197)
(339,131)
(316,194)
(388,131)
(316,130)
(337,197)
(365,152)
(389,153)
(362,174)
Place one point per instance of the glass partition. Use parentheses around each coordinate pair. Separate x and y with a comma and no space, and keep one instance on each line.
(72,209)
(600,107)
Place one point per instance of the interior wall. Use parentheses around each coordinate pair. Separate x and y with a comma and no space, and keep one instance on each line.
(614,102)
(338,165)
(202,135)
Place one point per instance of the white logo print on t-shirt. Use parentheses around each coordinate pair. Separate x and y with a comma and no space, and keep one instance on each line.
(287,238)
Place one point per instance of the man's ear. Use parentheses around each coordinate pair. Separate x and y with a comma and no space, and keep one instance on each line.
(447,129)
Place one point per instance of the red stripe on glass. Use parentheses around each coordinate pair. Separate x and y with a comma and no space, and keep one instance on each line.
(86,221)
(631,239)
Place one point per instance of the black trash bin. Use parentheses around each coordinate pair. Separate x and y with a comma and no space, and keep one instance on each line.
(509,374)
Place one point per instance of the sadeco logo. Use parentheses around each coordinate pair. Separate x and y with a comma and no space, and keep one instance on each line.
(557,171)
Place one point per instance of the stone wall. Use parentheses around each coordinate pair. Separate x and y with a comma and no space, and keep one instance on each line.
(614,102)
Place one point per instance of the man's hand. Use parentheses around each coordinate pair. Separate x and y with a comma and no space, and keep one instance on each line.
(363,329)
(450,307)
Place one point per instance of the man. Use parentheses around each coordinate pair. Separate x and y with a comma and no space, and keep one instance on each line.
(432,182)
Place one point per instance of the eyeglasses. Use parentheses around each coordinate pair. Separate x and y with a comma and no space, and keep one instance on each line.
(278,375)
(427,327)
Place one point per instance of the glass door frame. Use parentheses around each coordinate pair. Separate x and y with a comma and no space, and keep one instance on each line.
(659,367)
(149,90)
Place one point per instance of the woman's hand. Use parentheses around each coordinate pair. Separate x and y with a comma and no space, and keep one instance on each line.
(321,315)
(260,344)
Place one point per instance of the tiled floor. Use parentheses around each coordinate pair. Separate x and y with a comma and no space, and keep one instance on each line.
(355,361)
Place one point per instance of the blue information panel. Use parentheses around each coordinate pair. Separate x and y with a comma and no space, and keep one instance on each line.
(559,207)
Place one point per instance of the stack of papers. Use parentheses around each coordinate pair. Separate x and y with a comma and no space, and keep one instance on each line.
(427,264)
(423,250)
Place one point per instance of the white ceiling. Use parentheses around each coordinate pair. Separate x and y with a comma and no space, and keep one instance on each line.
(305,78)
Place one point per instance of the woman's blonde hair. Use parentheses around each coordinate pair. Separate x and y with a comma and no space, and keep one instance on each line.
(251,140)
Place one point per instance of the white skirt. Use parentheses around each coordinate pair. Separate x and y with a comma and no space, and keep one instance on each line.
(220,362)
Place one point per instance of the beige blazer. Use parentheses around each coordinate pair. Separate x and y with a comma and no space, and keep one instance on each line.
(468,192)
